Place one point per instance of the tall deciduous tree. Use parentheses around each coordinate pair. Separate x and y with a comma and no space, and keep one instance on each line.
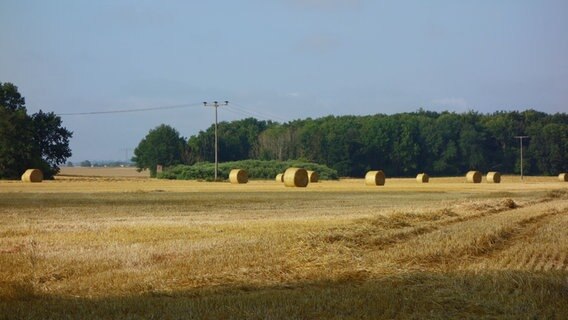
(161,146)
(51,139)
(36,141)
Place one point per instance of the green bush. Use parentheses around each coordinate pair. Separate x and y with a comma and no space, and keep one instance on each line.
(256,169)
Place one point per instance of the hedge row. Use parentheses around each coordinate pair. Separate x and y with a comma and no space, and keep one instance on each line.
(256,169)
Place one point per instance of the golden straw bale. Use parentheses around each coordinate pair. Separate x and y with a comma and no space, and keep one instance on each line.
(296,177)
(280,177)
(375,178)
(494,177)
(423,178)
(238,176)
(563,177)
(32,175)
(313,176)
(473,177)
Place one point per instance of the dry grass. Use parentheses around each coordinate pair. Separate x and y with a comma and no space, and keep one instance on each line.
(141,248)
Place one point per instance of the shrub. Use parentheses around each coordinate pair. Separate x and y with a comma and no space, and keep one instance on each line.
(256,169)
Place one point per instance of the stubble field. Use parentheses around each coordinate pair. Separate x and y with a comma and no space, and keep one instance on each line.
(120,247)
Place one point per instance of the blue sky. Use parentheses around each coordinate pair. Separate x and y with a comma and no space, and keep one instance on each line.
(278,59)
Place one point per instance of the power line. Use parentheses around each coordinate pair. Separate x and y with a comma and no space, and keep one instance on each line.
(254,113)
(179,106)
(234,108)
(241,113)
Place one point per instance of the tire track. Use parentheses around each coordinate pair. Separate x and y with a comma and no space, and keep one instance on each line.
(405,247)
(373,236)
(530,247)
(466,243)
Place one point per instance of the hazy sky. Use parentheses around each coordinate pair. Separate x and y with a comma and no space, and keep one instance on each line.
(276,59)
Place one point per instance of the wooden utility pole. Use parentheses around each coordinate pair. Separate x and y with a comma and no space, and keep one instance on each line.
(215,105)
(521,141)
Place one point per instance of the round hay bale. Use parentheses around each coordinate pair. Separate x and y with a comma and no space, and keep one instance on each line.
(563,177)
(238,176)
(313,176)
(375,178)
(280,177)
(423,178)
(32,175)
(473,177)
(494,177)
(296,177)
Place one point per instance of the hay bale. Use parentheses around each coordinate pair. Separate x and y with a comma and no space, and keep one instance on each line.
(313,176)
(563,177)
(32,175)
(494,177)
(296,177)
(280,177)
(375,178)
(238,176)
(473,177)
(423,178)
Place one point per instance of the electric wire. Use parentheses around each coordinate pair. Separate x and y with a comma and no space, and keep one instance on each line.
(179,106)
(234,108)
(263,114)
(243,113)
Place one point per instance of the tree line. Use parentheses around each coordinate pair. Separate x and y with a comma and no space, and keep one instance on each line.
(439,143)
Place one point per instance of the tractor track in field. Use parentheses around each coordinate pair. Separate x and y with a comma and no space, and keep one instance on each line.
(403,248)
(483,245)
(519,232)
(550,258)
(373,238)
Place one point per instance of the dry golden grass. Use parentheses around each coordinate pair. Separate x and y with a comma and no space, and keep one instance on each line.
(118,247)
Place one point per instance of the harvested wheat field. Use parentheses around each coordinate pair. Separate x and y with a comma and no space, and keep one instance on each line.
(129,247)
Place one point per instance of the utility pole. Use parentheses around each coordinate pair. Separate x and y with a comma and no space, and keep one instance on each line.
(521,141)
(126,150)
(215,105)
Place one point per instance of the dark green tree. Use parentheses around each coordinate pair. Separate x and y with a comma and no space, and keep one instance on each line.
(51,140)
(237,140)
(86,163)
(549,149)
(472,143)
(161,146)
(36,141)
